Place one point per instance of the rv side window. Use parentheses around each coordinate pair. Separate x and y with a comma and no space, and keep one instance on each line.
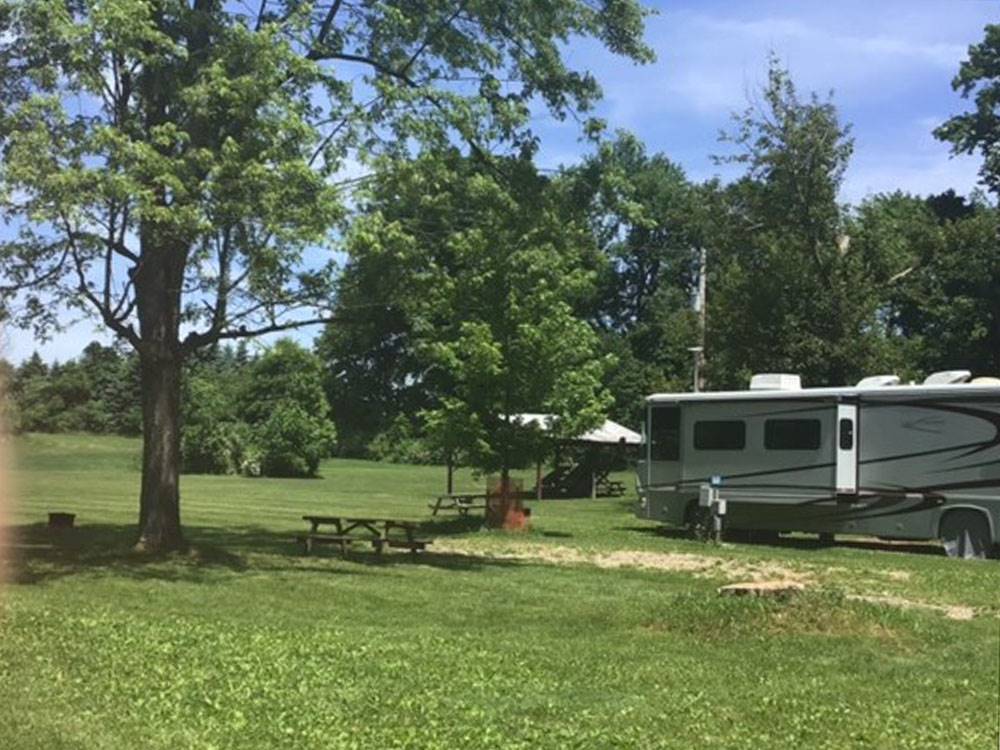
(792,434)
(665,433)
(846,434)
(720,435)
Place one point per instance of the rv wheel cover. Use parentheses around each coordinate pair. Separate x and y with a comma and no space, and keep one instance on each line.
(966,535)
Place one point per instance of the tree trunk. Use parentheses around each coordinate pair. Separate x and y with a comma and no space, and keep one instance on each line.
(995,348)
(158,280)
(159,500)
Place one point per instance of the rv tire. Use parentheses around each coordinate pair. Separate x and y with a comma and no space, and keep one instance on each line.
(965,534)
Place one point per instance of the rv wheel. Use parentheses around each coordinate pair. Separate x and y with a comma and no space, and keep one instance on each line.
(966,534)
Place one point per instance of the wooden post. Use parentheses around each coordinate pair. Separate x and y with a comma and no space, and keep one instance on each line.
(538,480)
(593,483)
(702,310)
(451,473)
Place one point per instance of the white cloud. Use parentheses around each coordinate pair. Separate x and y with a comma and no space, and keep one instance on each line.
(916,162)
(888,63)
(707,65)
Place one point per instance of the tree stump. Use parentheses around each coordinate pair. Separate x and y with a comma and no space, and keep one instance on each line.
(779,589)
(61,520)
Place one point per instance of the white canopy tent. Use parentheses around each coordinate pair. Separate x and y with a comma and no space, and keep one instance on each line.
(608,433)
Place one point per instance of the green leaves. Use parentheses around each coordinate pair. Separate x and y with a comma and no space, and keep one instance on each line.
(271,418)
(167,128)
(788,291)
(488,270)
(979,130)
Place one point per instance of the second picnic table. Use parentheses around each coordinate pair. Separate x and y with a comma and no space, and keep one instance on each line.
(463,502)
(378,533)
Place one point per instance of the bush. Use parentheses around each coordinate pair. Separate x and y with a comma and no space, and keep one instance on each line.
(220,448)
(400,444)
(293,442)
(85,417)
(272,421)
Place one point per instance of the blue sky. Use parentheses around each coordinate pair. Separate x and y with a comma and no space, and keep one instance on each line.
(889,64)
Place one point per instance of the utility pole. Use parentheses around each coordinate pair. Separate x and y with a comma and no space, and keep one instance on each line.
(701,307)
(696,351)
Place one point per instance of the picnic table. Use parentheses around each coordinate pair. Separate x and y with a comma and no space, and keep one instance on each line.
(376,531)
(463,502)
(609,487)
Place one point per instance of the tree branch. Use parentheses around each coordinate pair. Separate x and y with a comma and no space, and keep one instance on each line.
(196,340)
(260,15)
(110,242)
(430,37)
(38,280)
(324,29)
(126,332)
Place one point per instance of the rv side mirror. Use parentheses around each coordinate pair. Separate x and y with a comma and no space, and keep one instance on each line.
(846,434)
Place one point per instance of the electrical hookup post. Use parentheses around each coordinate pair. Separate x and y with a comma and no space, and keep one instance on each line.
(708,498)
(505,505)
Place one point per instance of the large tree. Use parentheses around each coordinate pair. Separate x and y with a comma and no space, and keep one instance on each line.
(942,304)
(789,288)
(373,377)
(647,220)
(168,164)
(491,273)
(979,130)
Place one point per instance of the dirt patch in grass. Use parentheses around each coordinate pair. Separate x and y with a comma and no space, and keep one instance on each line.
(897,575)
(715,567)
(952,611)
(700,565)
(811,613)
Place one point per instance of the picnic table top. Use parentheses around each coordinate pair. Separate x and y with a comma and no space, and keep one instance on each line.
(355,519)
(462,495)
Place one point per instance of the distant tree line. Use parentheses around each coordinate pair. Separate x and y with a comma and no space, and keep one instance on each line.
(253,415)
(97,392)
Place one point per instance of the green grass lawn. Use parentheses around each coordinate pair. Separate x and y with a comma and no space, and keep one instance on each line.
(590,631)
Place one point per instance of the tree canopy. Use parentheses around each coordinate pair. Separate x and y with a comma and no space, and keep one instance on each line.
(490,273)
(979,130)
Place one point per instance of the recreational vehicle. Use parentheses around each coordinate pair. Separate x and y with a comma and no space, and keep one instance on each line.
(880,458)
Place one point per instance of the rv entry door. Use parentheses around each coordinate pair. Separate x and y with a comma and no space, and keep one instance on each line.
(847,449)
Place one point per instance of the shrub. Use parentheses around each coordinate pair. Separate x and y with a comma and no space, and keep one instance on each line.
(293,442)
(286,373)
(220,448)
(272,421)
(400,444)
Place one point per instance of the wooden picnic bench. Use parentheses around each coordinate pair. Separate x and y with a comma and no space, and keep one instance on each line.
(375,531)
(604,486)
(462,502)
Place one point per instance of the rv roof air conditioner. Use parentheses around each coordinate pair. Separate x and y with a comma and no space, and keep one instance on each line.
(878,381)
(775,381)
(948,377)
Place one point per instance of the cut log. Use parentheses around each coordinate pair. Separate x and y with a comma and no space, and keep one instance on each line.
(61,520)
(763,588)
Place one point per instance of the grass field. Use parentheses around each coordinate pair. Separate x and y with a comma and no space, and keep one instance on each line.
(590,631)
